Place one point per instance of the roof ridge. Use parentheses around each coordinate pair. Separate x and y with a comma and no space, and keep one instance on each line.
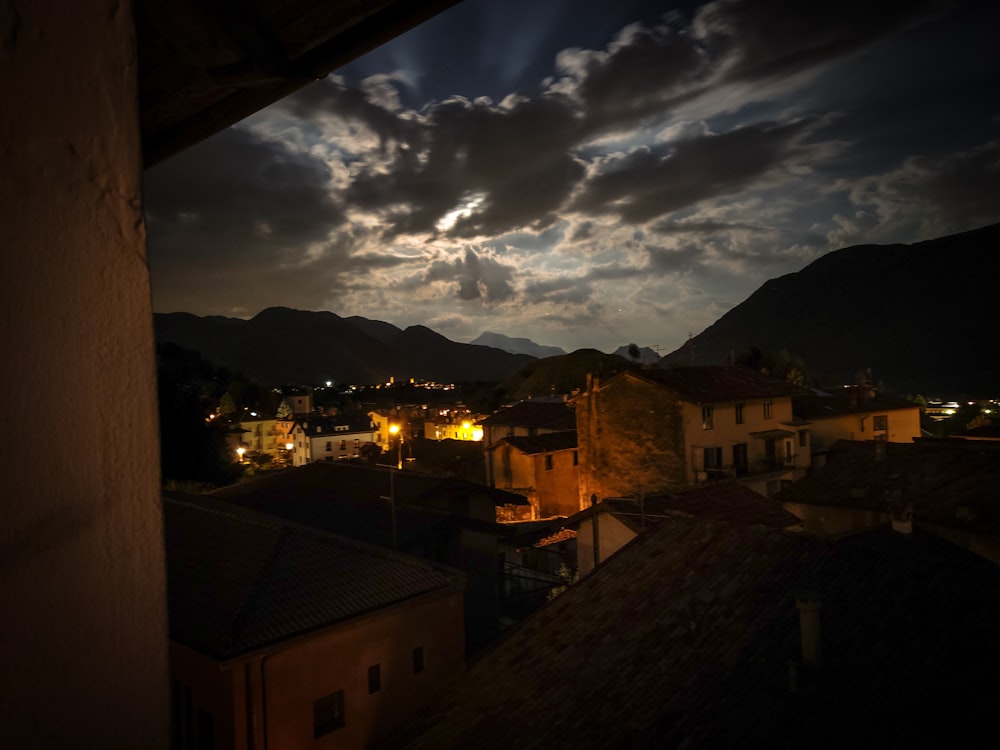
(236,622)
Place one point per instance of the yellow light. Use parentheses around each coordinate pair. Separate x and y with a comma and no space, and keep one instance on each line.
(466,425)
(393,429)
(289,446)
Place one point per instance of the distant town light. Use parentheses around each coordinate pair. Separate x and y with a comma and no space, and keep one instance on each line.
(329,383)
(289,446)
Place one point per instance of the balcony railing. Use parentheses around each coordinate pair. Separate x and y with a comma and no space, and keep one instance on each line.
(761,465)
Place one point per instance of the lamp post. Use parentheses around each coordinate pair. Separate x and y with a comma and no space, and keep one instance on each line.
(240,451)
(394,430)
(288,453)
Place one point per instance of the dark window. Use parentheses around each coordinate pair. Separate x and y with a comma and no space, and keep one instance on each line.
(418,660)
(357,442)
(343,445)
(739,413)
(576,458)
(328,713)
(707,414)
(880,422)
(768,409)
(329,446)
(713,458)
(206,730)
(374,678)
(803,438)
(740,464)
(548,462)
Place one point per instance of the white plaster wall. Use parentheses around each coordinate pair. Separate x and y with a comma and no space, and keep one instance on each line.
(83,647)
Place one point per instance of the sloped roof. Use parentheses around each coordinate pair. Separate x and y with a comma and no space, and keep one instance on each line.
(711,384)
(355,423)
(684,639)
(842,401)
(238,581)
(544,443)
(953,482)
(549,415)
(721,501)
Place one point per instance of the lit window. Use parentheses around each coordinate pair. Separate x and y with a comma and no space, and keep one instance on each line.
(418,660)
(768,410)
(707,413)
(328,713)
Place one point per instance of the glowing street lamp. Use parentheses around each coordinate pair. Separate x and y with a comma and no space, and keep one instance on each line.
(240,451)
(394,430)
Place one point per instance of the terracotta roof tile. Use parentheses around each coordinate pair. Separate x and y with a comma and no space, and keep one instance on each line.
(686,638)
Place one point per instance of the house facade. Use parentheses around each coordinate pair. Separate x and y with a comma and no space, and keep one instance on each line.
(282,636)
(543,468)
(663,429)
(330,438)
(523,419)
(856,413)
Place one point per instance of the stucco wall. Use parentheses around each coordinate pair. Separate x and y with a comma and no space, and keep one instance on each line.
(904,426)
(612,535)
(83,645)
(557,488)
(339,660)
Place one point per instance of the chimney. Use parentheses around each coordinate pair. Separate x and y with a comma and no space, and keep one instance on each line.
(808,604)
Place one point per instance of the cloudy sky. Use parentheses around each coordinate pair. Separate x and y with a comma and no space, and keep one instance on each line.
(589,174)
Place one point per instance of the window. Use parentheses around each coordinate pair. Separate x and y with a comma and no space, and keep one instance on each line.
(357,442)
(576,458)
(803,438)
(706,417)
(740,463)
(548,462)
(768,410)
(328,713)
(374,678)
(329,446)
(418,660)
(713,458)
(739,413)
(880,422)
(343,445)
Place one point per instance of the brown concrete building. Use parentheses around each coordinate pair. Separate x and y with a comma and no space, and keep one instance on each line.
(288,637)
(543,468)
(662,429)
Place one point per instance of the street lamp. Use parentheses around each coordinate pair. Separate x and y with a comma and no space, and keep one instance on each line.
(240,451)
(288,452)
(394,430)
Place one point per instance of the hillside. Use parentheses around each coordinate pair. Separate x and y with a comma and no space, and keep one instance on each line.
(560,375)
(920,316)
(283,346)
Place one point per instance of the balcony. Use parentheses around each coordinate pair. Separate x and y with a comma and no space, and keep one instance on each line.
(754,467)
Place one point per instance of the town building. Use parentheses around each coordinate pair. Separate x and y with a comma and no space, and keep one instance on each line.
(287,636)
(949,486)
(444,520)
(523,419)
(662,429)
(330,438)
(453,424)
(857,413)
(705,634)
(543,468)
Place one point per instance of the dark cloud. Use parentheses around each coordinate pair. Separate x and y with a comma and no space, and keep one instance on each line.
(478,277)
(669,227)
(758,39)
(653,181)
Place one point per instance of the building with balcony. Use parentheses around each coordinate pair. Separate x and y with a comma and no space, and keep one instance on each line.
(663,429)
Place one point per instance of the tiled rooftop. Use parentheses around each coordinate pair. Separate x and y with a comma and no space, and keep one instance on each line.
(238,581)
(953,482)
(721,501)
(720,383)
(549,415)
(689,638)
(544,443)
(841,401)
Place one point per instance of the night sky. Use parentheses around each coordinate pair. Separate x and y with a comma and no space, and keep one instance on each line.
(589,174)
